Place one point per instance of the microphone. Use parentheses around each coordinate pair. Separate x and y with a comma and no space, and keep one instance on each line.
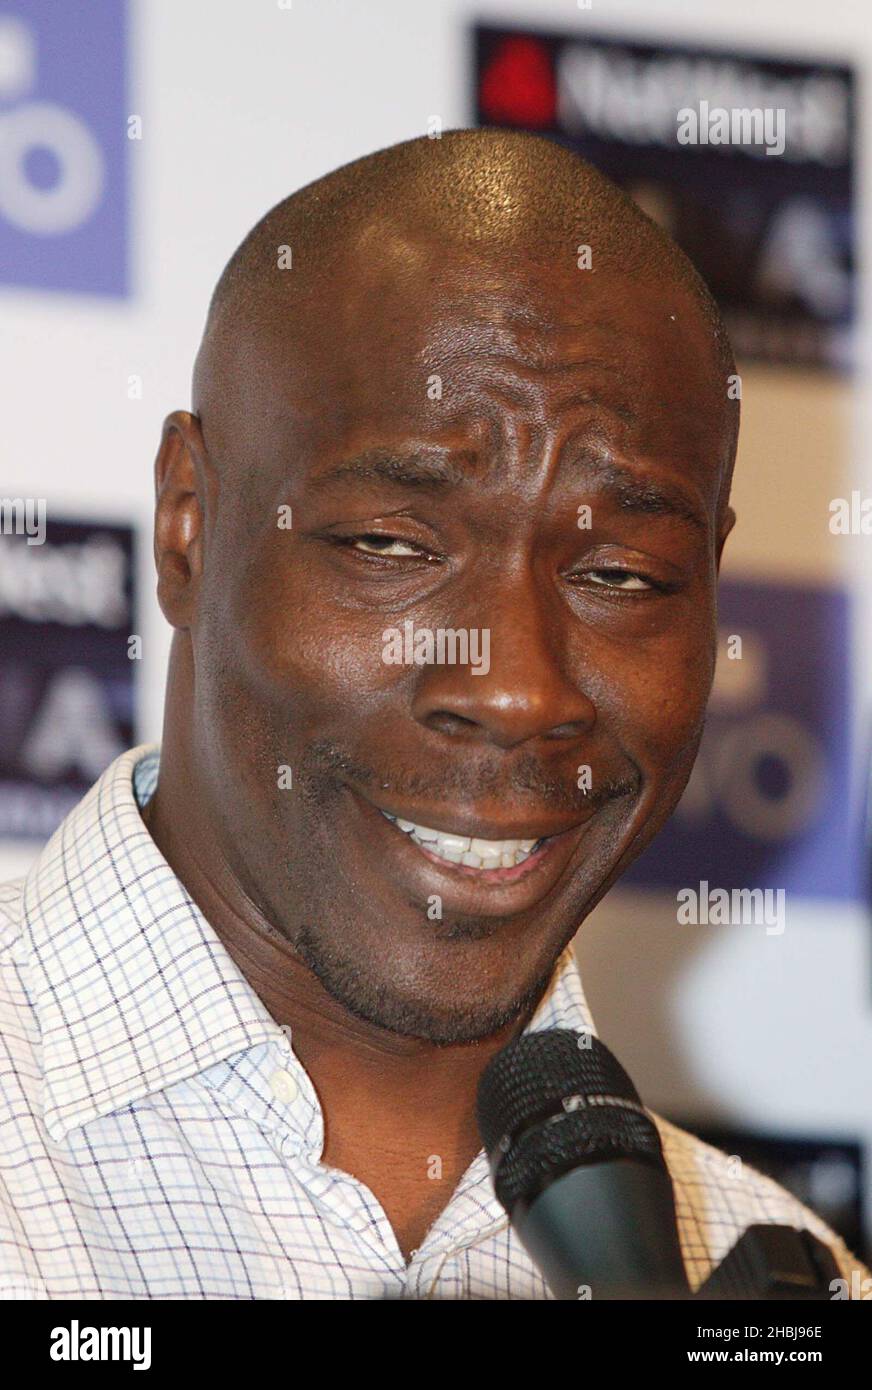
(577,1163)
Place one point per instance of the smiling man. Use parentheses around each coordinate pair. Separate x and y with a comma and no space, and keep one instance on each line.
(459,387)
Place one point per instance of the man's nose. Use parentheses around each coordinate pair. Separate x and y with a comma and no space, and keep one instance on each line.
(528,692)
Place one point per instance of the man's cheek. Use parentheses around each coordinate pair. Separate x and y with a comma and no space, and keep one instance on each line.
(318,677)
(662,718)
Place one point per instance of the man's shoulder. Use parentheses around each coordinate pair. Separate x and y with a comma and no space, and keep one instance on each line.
(718,1195)
(719,1177)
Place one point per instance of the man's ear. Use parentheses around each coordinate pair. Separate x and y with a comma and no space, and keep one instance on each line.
(185,488)
(727,524)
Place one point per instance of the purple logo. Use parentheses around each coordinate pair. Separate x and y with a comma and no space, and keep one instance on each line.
(774,797)
(63,146)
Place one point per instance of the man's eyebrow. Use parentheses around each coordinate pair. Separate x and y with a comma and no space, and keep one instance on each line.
(633,494)
(644,495)
(403,470)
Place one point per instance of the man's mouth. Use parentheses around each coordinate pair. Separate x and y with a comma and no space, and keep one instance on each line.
(468,850)
(478,865)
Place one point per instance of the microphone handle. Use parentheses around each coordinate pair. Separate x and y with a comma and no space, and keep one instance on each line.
(605,1231)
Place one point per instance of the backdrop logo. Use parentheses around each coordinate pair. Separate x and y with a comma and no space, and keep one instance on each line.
(772,799)
(747,160)
(518,87)
(66,677)
(63,146)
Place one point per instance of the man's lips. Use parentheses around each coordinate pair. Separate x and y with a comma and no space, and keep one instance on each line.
(464,888)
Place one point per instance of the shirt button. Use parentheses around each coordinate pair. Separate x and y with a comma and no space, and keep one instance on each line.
(284,1087)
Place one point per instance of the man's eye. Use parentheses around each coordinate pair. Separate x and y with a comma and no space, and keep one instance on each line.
(625,580)
(375,544)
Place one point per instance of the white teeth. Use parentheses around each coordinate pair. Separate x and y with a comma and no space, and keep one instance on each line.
(420,830)
(457,842)
(463,849)
(489,847)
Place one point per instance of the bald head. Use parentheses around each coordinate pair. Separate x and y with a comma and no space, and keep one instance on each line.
(498,191)
(503,197)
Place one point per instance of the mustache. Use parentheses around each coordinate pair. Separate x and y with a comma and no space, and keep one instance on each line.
(323,760)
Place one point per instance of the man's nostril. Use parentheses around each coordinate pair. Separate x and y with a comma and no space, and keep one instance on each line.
(446,722)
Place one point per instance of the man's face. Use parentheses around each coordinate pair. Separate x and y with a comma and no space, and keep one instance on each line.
(435,433)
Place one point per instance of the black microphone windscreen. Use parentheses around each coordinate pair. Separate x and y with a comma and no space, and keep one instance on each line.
(552,1100)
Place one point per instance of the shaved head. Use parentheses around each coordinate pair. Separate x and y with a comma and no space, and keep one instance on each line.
(504,197)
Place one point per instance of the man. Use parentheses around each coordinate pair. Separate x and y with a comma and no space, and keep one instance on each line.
(439,543)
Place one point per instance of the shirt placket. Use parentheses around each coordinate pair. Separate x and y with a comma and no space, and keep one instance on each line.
(282,1101)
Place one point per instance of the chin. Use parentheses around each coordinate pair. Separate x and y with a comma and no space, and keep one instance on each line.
(441,1023)
(458,1007)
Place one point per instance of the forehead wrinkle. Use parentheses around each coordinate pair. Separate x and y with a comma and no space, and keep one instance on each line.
(519,396)
(593,460)
(524,384)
